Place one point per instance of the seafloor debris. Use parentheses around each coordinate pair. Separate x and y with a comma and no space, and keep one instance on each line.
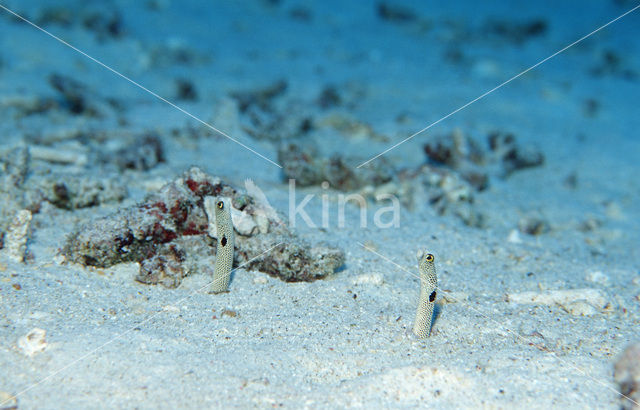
(626,374)
(287,120)
(78,98)
(19,106)
(15,240)
(395,13)
(141,153)
(175,52)
(509,156)
(590,224)
(351,127)
(168,235)
(492,31)
(448,193)
(268,113)
(533,225)
(68,191)
(475,164)
(103,22)
(14,165)
(33,342)
(329,97)
(25,185)
(264,115)
(612,63)
(260,97)
(185,89)
(571,181)
(301,13)
(308,168)
(442,188)
(68,156)
(458,167)
(516,32)
(27,181)
(445,190)
(9,401)
(461,154)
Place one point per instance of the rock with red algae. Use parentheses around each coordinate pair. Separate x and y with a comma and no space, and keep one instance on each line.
(168,235)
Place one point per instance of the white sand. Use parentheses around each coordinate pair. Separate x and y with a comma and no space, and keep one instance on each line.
(114,343)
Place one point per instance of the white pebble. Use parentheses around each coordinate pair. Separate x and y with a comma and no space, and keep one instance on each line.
(260,280)
(514,236)
(368,279)
(33,342)
(598,277)
(243,222)
(57,155)
(263,223)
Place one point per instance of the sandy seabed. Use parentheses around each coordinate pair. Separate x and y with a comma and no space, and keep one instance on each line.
(537,299)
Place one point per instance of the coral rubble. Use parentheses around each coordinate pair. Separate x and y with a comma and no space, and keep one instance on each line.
(168,234)
(303,164)
(502,157)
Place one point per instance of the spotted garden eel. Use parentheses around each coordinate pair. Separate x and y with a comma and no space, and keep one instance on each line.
(224,252)
(428,285)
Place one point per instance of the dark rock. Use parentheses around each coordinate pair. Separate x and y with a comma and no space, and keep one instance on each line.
(77,98)
(185,90)
(303,164)
(260,97)
(514,31)
(142,153)
(104,23)
(512,157)
(626,374)
(329,97)
(461,153)
(301,13)
(533,225)
(165,267)
(395,13)
(78,191)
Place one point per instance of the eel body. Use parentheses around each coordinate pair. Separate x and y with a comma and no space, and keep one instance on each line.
(428,285)
(224,252)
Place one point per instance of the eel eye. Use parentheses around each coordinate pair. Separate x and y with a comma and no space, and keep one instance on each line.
(432,296)
(220,205)
(429,258)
